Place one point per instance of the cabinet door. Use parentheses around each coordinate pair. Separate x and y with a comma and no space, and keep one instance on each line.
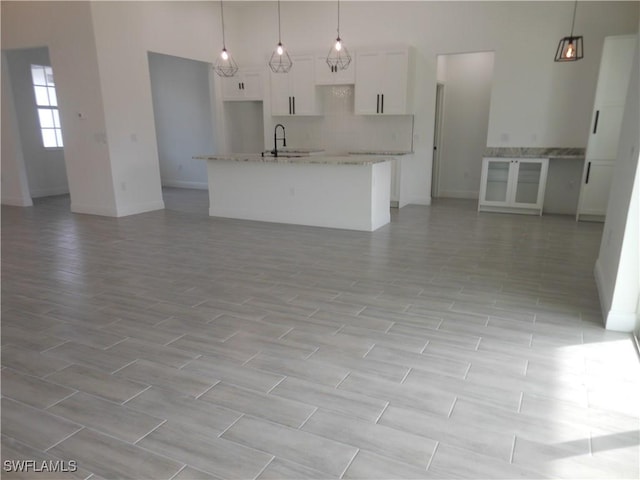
(303,88)
(529,179)
(368,85)
(394,82)
(495,184)
(252,85)
(232,88)
(605,132)
(595,188)
(280,93)
(325,76)
(615,70)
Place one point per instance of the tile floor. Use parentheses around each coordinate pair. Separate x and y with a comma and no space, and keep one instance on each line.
(447,344)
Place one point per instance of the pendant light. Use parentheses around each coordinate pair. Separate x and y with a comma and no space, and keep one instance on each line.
(280,61)
(338,58)
(570,48)
(225,65)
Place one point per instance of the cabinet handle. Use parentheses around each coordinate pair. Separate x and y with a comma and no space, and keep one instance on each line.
(588,173)
(595,123)
(243,85)
(239,86)
(294,105)
(289,105)
(382,103)
(378,103)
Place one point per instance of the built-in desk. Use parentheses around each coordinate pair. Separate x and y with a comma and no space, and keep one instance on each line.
(561,189)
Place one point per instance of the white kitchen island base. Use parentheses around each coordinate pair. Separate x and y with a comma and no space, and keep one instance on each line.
(337,192)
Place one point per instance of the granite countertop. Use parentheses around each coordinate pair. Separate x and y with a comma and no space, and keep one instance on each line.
(289,158)
(389,153)
(535,152)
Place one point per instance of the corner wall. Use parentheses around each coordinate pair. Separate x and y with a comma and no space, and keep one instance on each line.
(618,265)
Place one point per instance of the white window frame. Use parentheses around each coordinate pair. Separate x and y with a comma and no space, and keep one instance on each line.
(47,106)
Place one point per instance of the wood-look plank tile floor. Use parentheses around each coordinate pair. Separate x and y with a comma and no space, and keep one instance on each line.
(447,344)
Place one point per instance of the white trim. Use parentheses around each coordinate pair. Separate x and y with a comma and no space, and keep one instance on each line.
(17,201)
(183,184)
(465,194)
(50,191)
(621,321)
(94,210)
(602,283)
(140,208)
(419,201)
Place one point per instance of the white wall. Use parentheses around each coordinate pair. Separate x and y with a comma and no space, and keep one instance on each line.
(467,97)
(45,168)
(245,127)
(182,113)
(618,265)
(66,29)
(15,189)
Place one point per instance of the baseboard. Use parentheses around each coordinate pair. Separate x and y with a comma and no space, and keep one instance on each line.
(183,184)
(621,321)
(17,201)
(140,208)
(49,192)
(465,194)
(88,209)
(605,293)
(419,201)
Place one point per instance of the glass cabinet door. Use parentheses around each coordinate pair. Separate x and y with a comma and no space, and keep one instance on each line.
(528,184)
(497,181)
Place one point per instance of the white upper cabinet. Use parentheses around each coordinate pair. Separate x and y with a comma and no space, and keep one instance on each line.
(325,75)
(247,84)
(383,82)
(606,123)
(294,93)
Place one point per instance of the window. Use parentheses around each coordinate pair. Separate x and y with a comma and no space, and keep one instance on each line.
(47,103)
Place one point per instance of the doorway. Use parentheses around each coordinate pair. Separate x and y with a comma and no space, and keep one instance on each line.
(38,120)
(181,97)
(461,123)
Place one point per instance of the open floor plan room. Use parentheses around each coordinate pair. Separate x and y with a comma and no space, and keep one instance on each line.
(446,344)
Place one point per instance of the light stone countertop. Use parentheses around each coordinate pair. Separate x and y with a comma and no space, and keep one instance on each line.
(535,152)
(388,153)
(300,160)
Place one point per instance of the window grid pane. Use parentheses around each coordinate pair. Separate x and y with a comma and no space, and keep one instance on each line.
(45,96)
(49,137)
(38,75)
(42,96)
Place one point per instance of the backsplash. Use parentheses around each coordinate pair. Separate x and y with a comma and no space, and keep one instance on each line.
(340,130)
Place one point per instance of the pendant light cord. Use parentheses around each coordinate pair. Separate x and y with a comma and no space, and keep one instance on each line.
(222,19)
(279,36)
(338,18)
(573,22)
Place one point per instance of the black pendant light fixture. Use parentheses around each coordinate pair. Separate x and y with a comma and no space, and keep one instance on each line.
(225,65)
(280,61)
(338,58)
(570,48)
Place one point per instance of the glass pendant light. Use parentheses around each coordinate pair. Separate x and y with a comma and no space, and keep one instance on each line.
(570,48)
(280,61)
(338,58)
(225,65)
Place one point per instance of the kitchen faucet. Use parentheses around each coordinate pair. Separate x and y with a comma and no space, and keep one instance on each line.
(275,139)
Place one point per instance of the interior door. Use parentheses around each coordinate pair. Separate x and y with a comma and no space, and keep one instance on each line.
(437,141)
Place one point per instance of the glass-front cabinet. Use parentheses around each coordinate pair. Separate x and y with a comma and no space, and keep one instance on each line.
(513,185)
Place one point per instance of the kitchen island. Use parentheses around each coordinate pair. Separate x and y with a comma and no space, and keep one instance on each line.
(335,191)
